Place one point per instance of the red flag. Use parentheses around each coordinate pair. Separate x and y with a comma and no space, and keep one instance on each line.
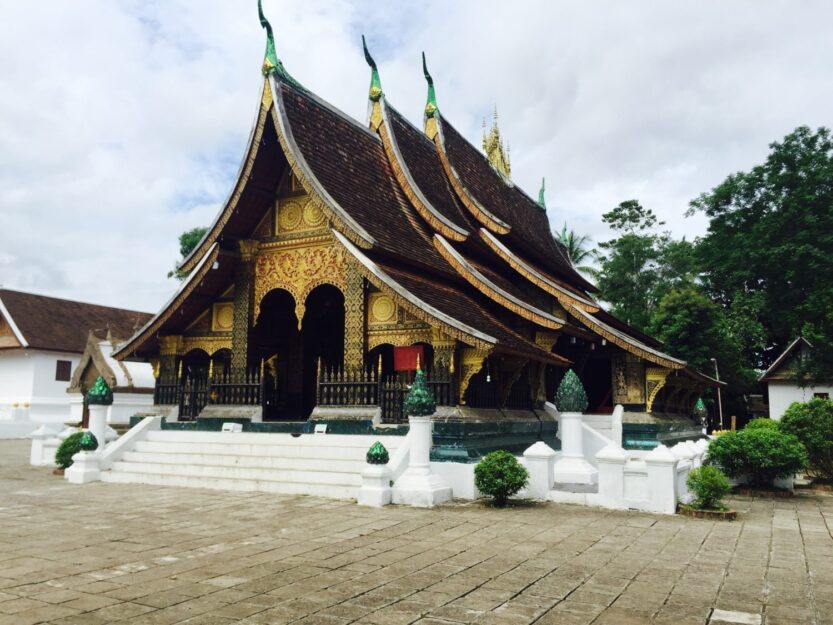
(405,358)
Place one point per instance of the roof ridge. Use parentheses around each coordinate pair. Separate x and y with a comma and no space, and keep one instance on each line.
(73,301)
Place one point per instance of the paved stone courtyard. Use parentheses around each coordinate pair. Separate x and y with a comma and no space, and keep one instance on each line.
(110,553)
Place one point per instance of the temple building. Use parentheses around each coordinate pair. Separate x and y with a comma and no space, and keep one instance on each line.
(349,253)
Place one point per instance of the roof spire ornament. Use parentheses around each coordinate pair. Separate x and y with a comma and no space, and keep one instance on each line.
(431,101)
(375,82)
(271,63)
(564,234)
(493,146)
(541,201)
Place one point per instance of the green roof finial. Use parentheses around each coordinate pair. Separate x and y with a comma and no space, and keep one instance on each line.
(100,394)
(541,202)
(431,104)
(419,402)
(375,83)
(564,234)
(271,62)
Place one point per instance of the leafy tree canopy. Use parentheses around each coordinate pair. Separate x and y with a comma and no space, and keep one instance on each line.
(188,240)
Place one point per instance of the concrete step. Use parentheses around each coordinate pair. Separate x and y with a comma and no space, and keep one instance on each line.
(322,452)
(256,438)
(256,462)
(222,483)
(240,473)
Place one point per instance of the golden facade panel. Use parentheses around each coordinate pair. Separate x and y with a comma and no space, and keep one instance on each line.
(222,317)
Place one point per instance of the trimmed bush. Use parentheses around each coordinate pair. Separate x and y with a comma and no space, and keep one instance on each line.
(70,446)
(500,475)
(759,454)
(761,423)
(812,424)
(709,486)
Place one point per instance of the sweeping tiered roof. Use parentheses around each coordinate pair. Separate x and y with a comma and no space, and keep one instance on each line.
(424,214)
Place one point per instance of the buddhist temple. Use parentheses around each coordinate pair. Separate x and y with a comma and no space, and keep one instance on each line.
(349,253)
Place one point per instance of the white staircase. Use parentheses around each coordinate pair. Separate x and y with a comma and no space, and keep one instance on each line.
(325,465)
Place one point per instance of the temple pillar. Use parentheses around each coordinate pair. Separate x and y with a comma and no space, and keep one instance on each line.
(243,290)
(169,348)
(354,316)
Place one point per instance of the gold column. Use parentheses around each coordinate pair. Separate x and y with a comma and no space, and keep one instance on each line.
(354,316)
(169,348)
(243,289)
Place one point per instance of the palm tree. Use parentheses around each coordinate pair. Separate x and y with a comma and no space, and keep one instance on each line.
(578,250)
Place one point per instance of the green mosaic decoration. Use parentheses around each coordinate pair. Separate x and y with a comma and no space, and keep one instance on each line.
(700,412)
(541,202)
(88,441)
(100,394)
(419,401)
(377,454)
(571,396)
(271,62)
(431,105)
(375,82)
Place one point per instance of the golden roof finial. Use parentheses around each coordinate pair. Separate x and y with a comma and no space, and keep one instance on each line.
(493,146)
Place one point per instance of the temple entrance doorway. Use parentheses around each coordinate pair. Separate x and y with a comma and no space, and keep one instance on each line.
(290,355)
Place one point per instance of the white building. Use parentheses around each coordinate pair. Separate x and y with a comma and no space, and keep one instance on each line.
(782,380)
(41,342)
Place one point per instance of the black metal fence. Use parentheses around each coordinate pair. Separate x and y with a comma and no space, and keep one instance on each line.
(193,394)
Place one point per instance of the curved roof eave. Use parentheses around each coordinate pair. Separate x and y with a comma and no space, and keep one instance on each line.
(478,211)
(426,210)
(490,289)
(190,283)
(418,307)
(535,276)
(626,342)
(307,178)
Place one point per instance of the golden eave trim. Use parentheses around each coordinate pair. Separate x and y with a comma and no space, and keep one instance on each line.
(478,211)
(152,326)
(414,305)
(566,297)
(302,171)
(243,174)
(630,345)
(403,176)
(493,291)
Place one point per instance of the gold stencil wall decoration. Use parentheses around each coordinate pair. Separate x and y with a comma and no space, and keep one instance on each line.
(209,344)
(290,215)
(298,214)
(222,317)
(382,309)
(400,337)
(298,270)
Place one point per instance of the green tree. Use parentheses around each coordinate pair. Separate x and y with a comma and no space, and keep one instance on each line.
(579,250)
(767,254)
(188,240)
(628,274)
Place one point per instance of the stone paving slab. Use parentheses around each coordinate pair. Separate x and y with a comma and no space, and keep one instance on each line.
(147,555)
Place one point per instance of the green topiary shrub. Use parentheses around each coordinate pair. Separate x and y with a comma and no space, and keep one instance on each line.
(70,446)
(759,454)
(762,423)
(709,486)
(570,396)
(812,424)
(419,402)
(500,475)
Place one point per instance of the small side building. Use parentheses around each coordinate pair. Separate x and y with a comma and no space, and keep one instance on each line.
(42,340)
(132,383)
(781,380)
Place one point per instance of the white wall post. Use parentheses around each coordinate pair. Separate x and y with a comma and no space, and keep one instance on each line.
(611,461)
(662,480)
(418,486)
(540,464)
(375,490)
(98,424)
(38,437)
(571,467)
(616,424)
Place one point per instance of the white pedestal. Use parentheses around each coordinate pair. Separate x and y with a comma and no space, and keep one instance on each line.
(539,463)
(376,489)
(418,486)
(571,467)
(39,436)
(84,468)
(662,480)
(98,425)
(611,460)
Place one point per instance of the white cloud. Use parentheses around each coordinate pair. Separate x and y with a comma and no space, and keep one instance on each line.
(122,123)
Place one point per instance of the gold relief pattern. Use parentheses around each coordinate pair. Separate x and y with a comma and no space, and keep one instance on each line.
(655,378)
(382,309)
(209,344)
(546,340)
(222,317)
(354,315)
(398,337)
(298,270)
(471,362)
(170,345)
(298,214)
(628,379)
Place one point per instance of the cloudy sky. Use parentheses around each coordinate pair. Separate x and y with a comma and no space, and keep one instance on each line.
(122,122)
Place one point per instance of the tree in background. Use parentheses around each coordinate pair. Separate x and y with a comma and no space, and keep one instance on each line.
(188,240)
(766,257)
(579,250)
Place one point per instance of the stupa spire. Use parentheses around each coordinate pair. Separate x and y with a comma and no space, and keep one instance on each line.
(493,146)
